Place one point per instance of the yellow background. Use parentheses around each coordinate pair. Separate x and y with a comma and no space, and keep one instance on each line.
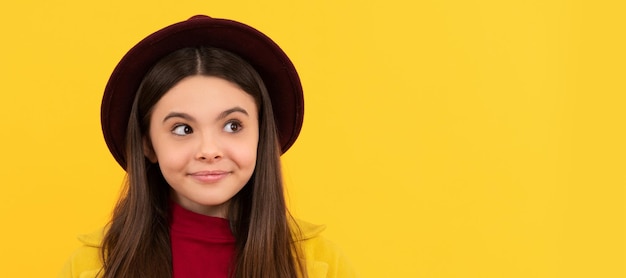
(442,138)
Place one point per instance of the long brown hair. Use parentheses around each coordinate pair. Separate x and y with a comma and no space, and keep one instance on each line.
(137,243)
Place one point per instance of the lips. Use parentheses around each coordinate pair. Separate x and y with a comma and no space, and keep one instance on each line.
(209,176)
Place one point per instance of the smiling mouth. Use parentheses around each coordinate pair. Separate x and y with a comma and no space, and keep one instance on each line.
(209,176)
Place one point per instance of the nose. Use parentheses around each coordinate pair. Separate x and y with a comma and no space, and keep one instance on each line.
(209,149)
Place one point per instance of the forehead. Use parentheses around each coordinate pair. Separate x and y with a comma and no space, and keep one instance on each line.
(205,94)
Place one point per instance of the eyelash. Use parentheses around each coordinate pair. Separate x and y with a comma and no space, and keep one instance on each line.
(188,130)
(231,122)
(185,132)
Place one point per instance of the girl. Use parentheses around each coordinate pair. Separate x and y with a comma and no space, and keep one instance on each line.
(198,114)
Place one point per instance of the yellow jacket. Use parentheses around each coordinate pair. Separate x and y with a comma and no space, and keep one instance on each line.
(323,258)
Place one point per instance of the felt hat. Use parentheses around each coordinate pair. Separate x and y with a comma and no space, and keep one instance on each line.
(265,56)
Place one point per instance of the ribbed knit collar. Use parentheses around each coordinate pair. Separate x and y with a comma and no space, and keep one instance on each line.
(200,227)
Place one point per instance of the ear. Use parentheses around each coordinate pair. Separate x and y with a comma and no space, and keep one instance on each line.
(148,150)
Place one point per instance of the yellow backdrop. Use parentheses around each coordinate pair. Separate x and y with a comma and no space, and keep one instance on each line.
(442,138)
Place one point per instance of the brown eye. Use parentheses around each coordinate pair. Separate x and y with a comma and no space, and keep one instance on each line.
(232,127)
(182,130)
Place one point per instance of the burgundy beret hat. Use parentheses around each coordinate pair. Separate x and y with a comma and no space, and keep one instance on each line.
(265,56)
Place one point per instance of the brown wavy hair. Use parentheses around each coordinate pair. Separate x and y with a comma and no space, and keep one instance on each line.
(137,242)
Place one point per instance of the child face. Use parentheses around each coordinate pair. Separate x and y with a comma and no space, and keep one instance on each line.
(204,133)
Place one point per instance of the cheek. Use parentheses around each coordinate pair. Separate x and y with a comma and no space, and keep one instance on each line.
(174,160)
(244,153)
(171,157)
(245,156)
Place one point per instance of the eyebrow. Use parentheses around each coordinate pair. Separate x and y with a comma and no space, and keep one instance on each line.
(184,116)
(232,110)
(222,115)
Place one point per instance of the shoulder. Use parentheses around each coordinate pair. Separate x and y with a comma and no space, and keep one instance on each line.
(323,257)
(85,262)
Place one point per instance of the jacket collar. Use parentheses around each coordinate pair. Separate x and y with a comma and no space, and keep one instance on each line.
(307,231)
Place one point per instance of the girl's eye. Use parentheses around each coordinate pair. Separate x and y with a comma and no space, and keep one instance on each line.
(232,127)
(182,130)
